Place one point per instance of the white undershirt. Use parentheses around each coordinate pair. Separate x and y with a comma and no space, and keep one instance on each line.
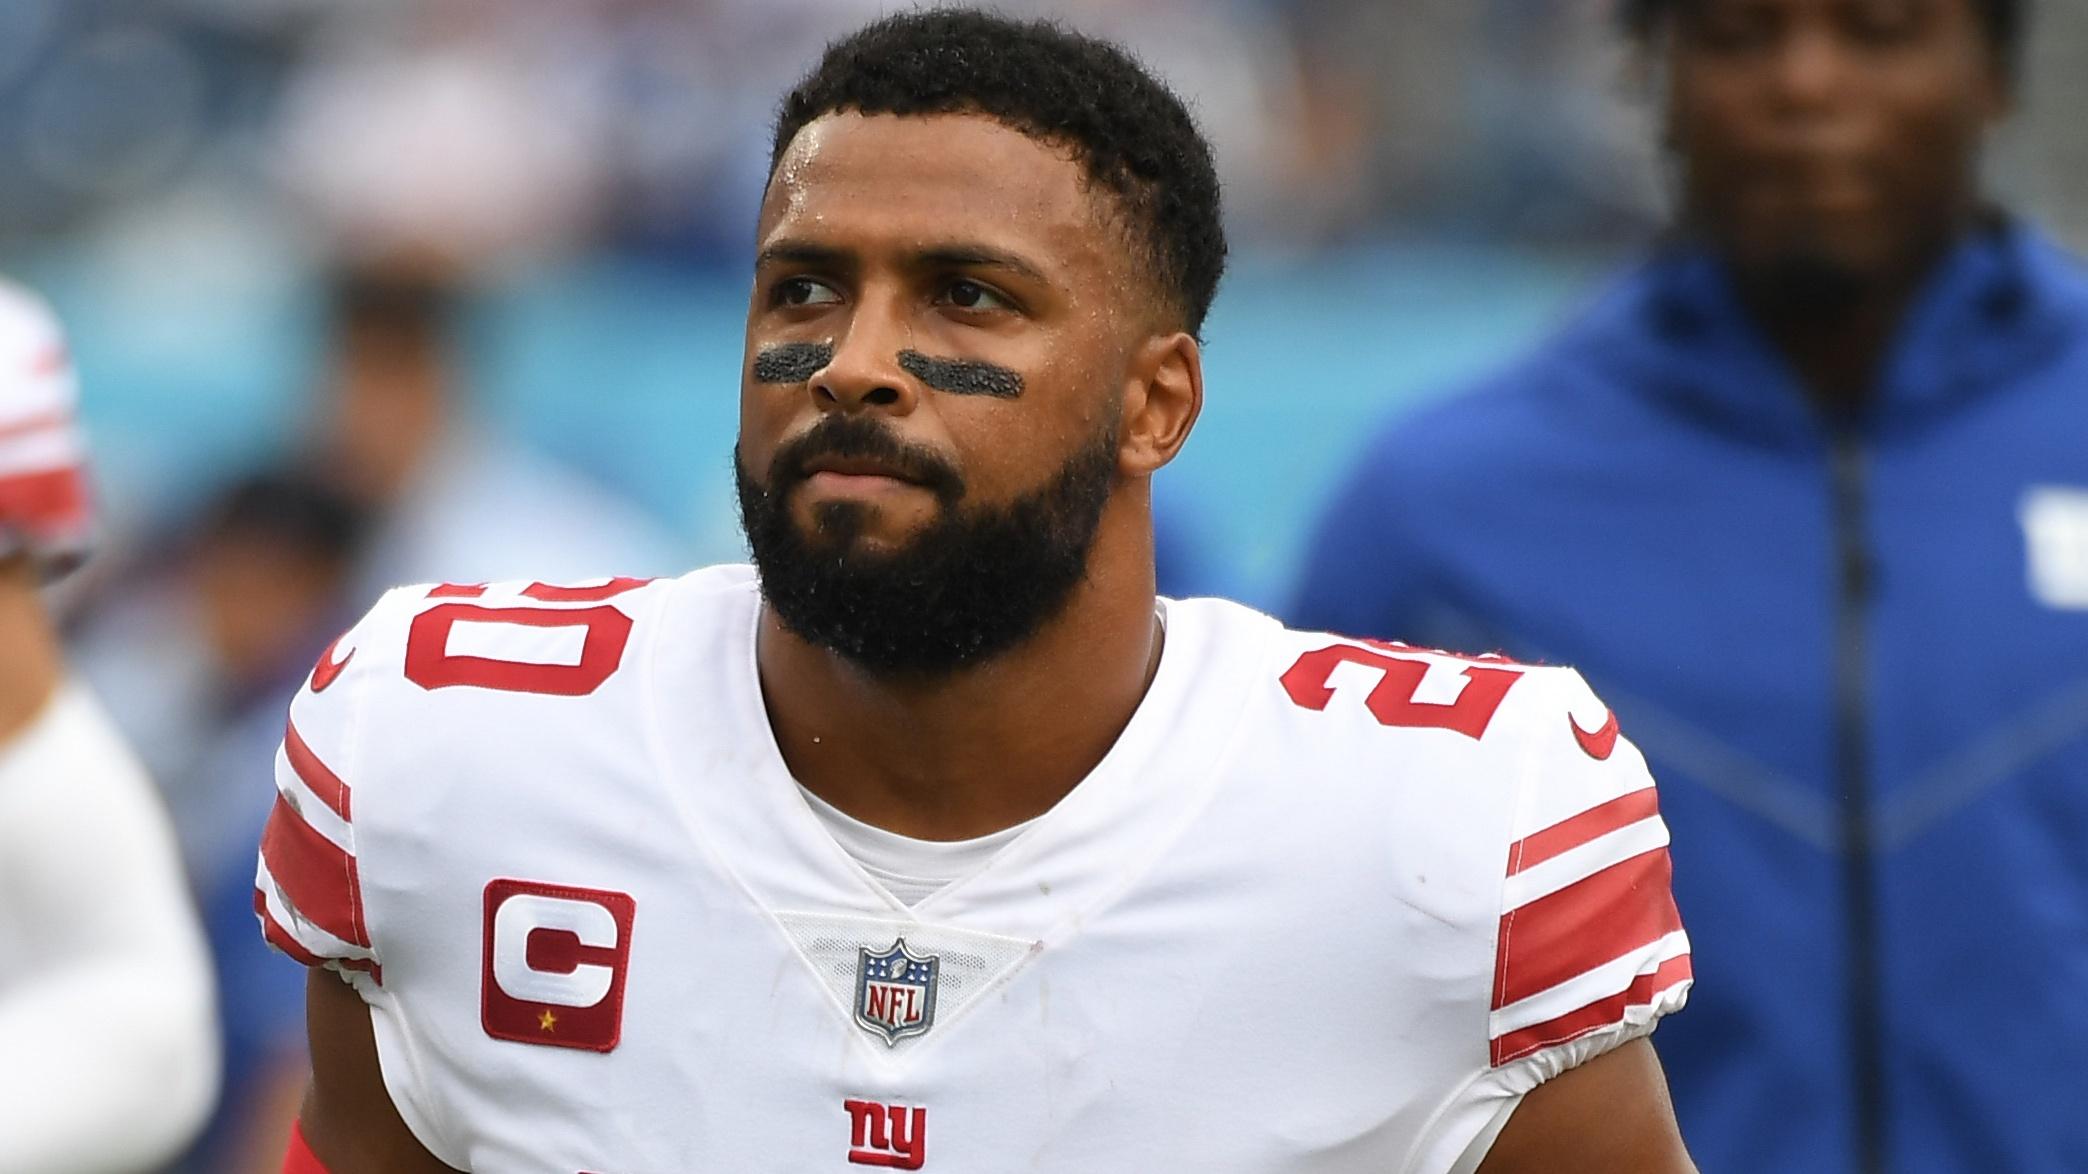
(911,870)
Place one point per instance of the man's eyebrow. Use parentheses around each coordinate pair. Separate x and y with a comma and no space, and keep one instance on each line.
(971,256)
(950,256)
(788,252)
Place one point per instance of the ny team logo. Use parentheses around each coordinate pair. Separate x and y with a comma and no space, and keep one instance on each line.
(892,1136)
(554,964)
(895,991)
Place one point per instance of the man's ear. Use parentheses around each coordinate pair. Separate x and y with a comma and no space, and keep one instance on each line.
(1163,395)
(2002,86)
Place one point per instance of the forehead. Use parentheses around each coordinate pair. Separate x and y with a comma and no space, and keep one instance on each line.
(1824,7)
(871,181)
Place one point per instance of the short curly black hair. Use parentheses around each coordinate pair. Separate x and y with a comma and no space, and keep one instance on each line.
(1131,134)
(2005,22)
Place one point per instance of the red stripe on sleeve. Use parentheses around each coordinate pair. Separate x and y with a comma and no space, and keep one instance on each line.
(1593,1017)
(1585,828)
(46,504)
(279,937)
(41,422)
(316,775)
(1597,919)
(317,878)
(300,1159)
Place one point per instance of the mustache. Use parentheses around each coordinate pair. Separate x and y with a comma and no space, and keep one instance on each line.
(857,436)
(798,362)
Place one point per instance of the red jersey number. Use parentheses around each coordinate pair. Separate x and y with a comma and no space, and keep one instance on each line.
(546,592)
(431,665)
(1392,701)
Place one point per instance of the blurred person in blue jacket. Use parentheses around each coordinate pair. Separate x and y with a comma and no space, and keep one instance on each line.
(1806,496)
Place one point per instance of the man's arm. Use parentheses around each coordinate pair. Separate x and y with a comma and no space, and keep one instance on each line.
(348,1118)
(109,1023)
(1610,1114)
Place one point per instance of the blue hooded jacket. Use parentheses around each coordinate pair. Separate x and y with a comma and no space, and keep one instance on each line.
(1857,656)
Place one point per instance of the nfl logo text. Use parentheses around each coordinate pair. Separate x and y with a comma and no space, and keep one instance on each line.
(893,1136)
(895,992)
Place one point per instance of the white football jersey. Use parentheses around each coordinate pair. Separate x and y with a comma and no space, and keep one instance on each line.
(43,491)
(1325,906)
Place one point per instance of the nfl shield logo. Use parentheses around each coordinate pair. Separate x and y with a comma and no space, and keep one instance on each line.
(895,991)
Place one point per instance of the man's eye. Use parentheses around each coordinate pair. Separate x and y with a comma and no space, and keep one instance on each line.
(1886,23)
(804,291)
(1730,28)
(970,295)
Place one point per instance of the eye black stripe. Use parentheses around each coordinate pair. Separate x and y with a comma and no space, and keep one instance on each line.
(797,362)
(962,376)
(792,362)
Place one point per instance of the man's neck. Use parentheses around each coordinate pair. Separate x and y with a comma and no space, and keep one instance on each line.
(983,749)
(1839,345)
(31,667)
(1839,357)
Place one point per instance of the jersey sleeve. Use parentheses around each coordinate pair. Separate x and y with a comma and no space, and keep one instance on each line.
(106,1004)
(308,885)
(44,504)
(1587,947)
(1590,950)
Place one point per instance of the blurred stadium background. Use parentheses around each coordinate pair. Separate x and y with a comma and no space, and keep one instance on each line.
(1416,188)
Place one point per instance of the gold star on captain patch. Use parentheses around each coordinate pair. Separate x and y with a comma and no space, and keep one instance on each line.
(547,1021)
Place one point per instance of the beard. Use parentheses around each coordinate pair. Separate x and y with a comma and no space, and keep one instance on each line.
(974,584)
(1802,283)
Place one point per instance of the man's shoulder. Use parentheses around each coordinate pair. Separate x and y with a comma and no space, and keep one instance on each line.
(1337,708)
(1389,710)
(1501,802)
(1518,397)
(459,720)
(1495,747)
(427,655)
(1494,438)
(1447,763)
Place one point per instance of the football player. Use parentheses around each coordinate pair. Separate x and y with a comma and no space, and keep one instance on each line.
(107,1017)
(935,839)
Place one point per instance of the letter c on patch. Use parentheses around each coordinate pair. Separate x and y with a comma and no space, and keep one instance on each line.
(556,958)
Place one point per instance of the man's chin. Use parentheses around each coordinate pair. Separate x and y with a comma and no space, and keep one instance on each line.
(1800,251)
(856,535)
(1805,273)
(858,554)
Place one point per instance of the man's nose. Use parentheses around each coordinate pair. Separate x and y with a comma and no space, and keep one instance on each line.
(1810,72)
(864,372)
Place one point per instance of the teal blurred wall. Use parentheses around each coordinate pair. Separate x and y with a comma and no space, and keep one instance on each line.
(630,372)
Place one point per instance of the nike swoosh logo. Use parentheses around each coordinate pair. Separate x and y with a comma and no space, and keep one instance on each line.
(329,670)
(1600,744)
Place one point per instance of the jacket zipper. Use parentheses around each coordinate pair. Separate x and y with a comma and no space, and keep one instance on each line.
(1852,702)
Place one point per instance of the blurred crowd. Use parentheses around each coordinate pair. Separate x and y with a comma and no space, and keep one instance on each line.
(474,128)
(306,248)
(480,129)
